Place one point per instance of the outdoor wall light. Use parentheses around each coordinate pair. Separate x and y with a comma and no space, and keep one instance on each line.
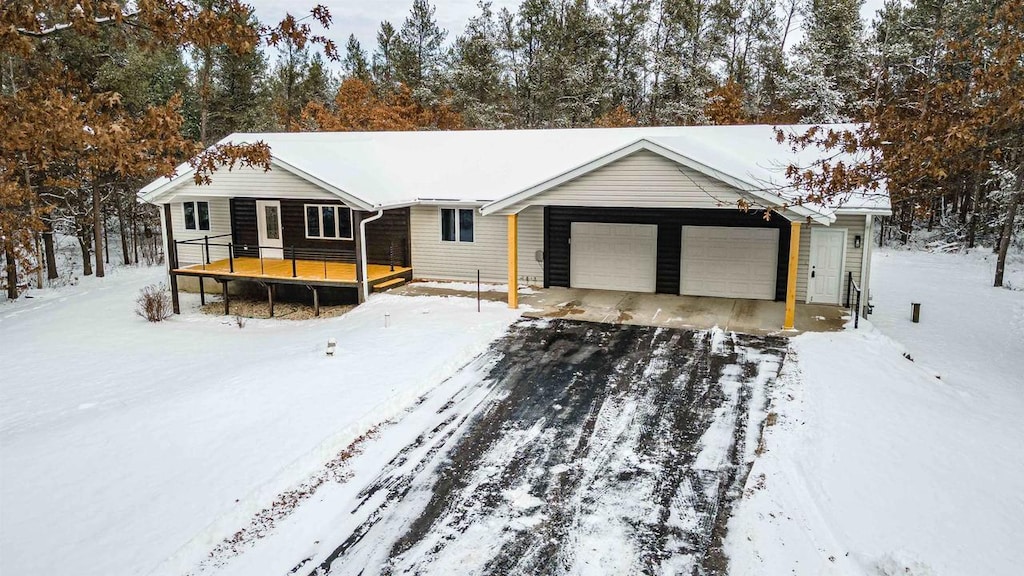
(856,241)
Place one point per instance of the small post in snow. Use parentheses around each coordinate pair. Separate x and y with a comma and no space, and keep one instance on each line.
(478,290)
(916,315)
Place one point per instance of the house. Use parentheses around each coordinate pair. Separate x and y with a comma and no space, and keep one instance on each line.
(636,209)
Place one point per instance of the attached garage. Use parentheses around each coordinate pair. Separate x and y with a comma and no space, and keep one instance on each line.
(612,256)
(729,262)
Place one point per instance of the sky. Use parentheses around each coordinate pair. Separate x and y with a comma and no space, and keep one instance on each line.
(363,17)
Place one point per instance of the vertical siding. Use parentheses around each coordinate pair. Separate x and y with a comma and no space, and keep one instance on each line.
(220,223)
(641,180)
(432,258)
(855,225)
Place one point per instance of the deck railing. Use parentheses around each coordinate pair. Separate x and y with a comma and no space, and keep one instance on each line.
(206,244)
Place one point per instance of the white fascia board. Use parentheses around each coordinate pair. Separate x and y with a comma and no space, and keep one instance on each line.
(444,202)
(644,144)
(865,211)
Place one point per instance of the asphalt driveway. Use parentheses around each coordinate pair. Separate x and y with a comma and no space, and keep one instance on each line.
(588,448)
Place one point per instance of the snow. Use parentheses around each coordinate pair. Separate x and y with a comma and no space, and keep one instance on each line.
(390,169)
(127,445)
(897,446)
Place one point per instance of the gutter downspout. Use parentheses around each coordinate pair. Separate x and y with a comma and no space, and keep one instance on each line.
(362,251)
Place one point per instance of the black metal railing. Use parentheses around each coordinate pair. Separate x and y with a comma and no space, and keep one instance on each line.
(293,253)
(853,293)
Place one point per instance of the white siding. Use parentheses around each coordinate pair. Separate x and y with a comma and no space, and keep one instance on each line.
(220,223)
(641,180)
(253,183)
(855,224)
(432,258)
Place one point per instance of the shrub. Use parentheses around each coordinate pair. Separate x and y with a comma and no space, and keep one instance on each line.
(153,303)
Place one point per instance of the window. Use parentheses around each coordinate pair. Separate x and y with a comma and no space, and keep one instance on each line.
(197,215)
(457,221)
(329,222)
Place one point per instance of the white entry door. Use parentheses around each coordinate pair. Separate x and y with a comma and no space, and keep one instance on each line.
(729,262)
(613,256)
(268,226)
(825,273)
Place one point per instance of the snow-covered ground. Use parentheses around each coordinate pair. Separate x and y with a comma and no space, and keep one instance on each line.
(883,465)
(124,444)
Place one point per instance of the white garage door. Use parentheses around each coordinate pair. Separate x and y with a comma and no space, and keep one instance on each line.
(613,256)
(729,262)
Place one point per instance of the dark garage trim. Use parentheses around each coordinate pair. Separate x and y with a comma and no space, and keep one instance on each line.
(558,221)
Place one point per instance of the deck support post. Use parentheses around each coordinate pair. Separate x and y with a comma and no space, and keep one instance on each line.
(171,258)
(224,286)
(270,298)
(794,258)
(513,261)
(316,301)
(202,292)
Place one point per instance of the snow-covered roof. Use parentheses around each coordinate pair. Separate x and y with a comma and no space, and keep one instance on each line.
(390,169)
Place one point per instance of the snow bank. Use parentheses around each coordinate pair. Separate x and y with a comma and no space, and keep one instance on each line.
(121,441)
(897,458)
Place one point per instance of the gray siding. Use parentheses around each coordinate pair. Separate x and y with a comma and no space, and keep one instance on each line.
(220,223)
(855,225)
(641,180)
(434,259)
(253,183)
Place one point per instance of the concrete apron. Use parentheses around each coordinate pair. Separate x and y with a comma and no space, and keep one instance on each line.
(760,317)
(695,312)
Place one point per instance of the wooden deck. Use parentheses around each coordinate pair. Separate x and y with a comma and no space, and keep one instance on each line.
(307,272)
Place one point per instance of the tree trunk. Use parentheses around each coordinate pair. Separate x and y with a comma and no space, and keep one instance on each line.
(1011,216)
(97,230)
(83,243)
(12,269)
(135,232)
(39,260)
(123,227)
(48,251)
(972,224)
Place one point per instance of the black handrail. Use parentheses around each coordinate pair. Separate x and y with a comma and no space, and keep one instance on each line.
(851,288)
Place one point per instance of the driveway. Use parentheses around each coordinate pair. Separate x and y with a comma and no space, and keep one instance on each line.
(586,448)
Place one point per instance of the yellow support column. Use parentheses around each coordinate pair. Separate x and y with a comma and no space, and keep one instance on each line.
(513,261)
(794,258)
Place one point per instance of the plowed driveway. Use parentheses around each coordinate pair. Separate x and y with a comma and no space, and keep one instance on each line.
(587,448)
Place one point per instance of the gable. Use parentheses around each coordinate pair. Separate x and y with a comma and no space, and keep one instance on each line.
(252,183)
(642,179)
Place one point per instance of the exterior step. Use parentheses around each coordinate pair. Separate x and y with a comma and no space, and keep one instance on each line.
(393,283)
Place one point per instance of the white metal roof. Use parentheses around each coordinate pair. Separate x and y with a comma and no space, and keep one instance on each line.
(388,169)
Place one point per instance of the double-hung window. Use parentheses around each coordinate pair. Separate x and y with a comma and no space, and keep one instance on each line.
(328,222)
(457,224)
(197,215)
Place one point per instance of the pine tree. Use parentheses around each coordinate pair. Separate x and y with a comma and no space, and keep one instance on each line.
(627,50)
(354,64)
(384,58)
(419,52)
(828,77)
(479,90)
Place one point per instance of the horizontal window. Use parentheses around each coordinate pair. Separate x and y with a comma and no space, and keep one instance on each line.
(197,215)
(457,224)
(328,222)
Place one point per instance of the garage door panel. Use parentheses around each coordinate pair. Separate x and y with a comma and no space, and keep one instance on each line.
(729,262)
(607,256)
